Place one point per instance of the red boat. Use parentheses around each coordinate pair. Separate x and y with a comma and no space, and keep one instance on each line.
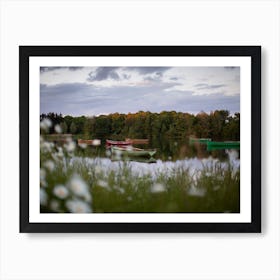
(110,143)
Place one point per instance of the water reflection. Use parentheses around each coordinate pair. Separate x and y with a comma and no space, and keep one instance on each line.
(168,149)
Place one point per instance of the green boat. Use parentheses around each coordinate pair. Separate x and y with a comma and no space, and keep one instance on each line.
(199,140)
(223,145)
(132,152)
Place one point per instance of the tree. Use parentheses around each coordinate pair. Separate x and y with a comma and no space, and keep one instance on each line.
(73,128)
(64,127)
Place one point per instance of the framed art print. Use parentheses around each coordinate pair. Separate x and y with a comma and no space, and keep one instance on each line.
(140,138)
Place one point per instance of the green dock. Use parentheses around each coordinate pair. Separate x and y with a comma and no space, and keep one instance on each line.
(212,145)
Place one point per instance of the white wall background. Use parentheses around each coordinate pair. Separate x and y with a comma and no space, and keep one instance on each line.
(139,256)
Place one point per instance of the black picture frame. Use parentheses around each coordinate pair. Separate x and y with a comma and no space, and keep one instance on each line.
(254,52)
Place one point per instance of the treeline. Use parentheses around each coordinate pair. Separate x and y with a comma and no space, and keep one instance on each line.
(218,125)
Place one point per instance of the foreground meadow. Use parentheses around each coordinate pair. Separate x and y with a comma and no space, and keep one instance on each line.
(71,183)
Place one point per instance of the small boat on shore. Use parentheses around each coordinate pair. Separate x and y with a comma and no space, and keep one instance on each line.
(223,145)
(132,152)
(110,143)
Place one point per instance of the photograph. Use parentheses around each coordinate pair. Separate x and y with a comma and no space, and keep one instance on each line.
(139,139)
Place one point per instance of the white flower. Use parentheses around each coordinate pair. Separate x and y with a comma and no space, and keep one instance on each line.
(54,205)
(45,124)
(78,186)
(49,164)
(155,188)
(43,183)
(194,191)
(82,145)
(78,206)
(220,177)
(46,146)
(60,191)
(43,197)
(98,170)
(42,175)
(102,184)
(96,142)
(121,190)
(70,147)
(108,153)
(207,174)
(60,152)
(57,128)
(216,188)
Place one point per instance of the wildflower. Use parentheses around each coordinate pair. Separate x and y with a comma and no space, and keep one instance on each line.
(96,142)
(46,146)
(60,191)
(70,146)
(108,153)
(216,188)
(54,205)
(57,128)
(45,124)
(49,164)
(207,174)
(102,184)
(43,183)
(121,190)
(155,188)
(82,145)
(78,186)
(55,157)
(78,206)
(42,174)
(43,197)
(60,152)
(194,191)
(98,170)
(220,178)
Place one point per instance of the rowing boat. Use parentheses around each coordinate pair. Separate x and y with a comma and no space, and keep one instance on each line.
(118,143)
(132,152)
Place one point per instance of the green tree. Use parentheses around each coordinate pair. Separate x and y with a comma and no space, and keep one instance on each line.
(73,128)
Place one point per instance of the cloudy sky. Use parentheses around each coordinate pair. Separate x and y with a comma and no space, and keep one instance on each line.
(91,91)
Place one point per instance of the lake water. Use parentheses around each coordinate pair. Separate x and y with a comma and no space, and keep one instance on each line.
(167,150)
